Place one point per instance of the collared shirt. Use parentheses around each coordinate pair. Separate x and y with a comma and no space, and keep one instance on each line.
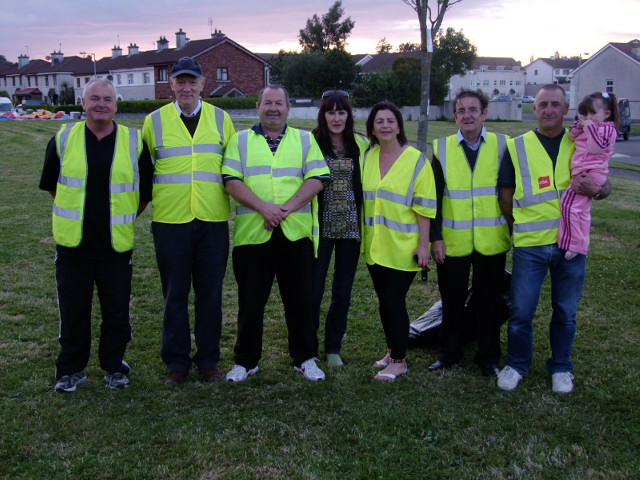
(192,114)
(273,143)
(473,146)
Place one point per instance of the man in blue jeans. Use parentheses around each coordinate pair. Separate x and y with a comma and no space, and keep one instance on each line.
(535,172)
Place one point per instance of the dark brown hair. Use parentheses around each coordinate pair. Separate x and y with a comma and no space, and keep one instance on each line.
(464,93)
(609,102)
(386,105)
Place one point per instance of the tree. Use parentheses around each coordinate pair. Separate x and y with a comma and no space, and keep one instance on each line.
(407,70)
(66,94)
(425,12)
(407,47)
(307,74)
(322,34)
(453,54)
(383,46)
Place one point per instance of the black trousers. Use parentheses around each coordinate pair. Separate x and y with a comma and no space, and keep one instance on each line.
(255,267)
(75,279)
(486,283)
(191,254)
(392,286)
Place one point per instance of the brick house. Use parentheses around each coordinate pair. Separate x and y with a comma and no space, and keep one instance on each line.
(229,68)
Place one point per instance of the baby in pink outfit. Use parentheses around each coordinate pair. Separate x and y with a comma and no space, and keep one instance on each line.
(595,136)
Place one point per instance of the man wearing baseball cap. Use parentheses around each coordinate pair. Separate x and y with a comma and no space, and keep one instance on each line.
(187,139)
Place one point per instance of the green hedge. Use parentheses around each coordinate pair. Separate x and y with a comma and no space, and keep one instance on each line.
(148,106)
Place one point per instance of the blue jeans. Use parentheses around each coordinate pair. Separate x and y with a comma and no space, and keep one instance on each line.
(530,266)
(345,265)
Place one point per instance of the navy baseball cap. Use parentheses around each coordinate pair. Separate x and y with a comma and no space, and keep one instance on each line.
(186,66)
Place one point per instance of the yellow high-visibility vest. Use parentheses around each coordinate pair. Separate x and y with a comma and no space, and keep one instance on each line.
(187,183)
(124,190)
(471,215)
(539,186)
(390,206)
(274,179)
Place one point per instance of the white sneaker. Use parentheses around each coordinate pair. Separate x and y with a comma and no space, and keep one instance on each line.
(562,382)
(310,370)
(239,374)
(508,379)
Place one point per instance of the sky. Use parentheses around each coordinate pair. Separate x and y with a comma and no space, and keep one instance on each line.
(519,29)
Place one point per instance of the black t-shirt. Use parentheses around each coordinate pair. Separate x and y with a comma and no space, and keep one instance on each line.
(96,234)
(507,172)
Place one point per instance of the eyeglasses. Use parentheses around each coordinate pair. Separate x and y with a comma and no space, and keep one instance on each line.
(330,93)
(471,111)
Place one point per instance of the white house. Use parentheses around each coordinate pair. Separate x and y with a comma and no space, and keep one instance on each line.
(614,68)
(495,76)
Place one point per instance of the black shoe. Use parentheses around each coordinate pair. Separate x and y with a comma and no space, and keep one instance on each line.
(437,365)
(490,370)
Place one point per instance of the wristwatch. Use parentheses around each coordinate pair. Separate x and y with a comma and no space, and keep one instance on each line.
(597,195)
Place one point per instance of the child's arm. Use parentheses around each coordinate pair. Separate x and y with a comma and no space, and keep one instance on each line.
(600,136)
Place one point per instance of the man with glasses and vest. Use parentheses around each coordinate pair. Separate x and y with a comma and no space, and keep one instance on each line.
(187,139)
(470,231)
(99,174)
(534,174)
(274,173)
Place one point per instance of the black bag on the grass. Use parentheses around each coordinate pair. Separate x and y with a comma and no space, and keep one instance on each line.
(425,330)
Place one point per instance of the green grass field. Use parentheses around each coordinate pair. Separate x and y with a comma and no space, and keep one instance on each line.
(450,425)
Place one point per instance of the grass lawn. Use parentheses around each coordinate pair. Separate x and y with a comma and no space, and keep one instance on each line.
(449,425)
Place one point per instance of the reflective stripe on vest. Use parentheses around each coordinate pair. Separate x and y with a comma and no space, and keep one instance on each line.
(471,215)
(124,197)
(539,186)
(187,179)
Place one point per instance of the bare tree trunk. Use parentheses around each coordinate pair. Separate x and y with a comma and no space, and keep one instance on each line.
(425,84)
(422,9)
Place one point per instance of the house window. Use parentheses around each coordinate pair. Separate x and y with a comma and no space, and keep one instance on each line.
(503,83)
(46,80)
(28,81)
(86,80)
(163,74)
(510,82)
(495,82)
(485,83)
(119,79)
(13,81)
(535,72)
(129,78)
(518,82)
(609,88)
(78,82)
(55,80)
(222,74)
(146,78)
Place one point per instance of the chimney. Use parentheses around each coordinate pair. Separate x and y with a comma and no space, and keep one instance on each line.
(635,48)
(181,39)
(116,52)
(133,49)
(23,60)
(163,44)
(56,57)
(217,33)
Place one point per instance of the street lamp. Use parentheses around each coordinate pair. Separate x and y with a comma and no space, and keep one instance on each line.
(94,61)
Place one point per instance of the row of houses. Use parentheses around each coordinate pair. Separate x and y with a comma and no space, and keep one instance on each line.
(232,71)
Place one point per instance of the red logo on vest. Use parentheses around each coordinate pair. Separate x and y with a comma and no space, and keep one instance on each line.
(544,182)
